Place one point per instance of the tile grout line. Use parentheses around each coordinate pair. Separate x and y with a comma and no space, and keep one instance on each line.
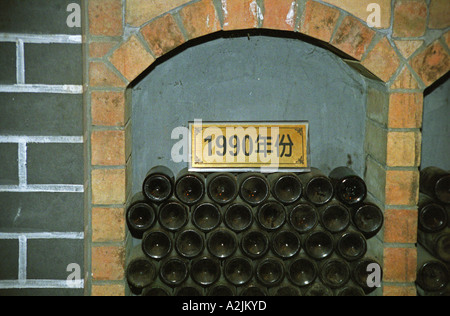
(22,273)
(42,39)
(42,88)
(20,62)
(22,164)
(41,139)
(42,235)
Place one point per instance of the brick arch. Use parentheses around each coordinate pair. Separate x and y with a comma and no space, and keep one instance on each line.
(329,25)
(406,66)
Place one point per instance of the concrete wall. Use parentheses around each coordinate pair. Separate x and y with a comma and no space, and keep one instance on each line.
(436,128)
(41,148)
(251,78)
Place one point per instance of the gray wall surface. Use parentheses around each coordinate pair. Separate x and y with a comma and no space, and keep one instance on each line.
(436,128)
(246,79)
(41,148)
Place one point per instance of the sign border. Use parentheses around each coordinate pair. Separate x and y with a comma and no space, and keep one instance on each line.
(261,169)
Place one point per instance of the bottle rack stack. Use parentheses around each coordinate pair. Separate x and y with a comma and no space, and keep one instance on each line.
(252,234)
(433,268)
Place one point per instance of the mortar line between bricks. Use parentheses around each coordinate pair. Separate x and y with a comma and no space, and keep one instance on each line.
(41,284)
(22,265)
(20,62)
(42,88)
(42,235)
(42,39)
(41,139)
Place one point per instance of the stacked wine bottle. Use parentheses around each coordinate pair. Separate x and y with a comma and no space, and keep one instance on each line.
(252,234)
(433,269)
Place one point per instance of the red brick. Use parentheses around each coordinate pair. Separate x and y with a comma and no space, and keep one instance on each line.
(405,110)
(105,17)
(108,148)
(131,58)
(400,226)
(102,76)
(280,14)
(408,47)
(319,20)
(400,264)
(108,108)
(402,187)
(432,63)
(108,290)
(139,12)
(239,14)
(405,80)
(108,224)
(410,18)
(163,35)
(403,149)
(100,49)
(399,290)
(108,186)
(353,37)
(439,14)
(382,60)
(200,19)
(108,262)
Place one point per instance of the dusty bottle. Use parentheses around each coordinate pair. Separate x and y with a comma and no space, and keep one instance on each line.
(319,244)
(173,215)
(367,218)
(271,215)
(222,187)
(254,244)
(334,273)
(433,217)
(318,187)
(222,243)
(189,187)
(253,188)
(334,217)
(221,289)
(433,276)
(140,272)
(351,245)
(141,215)
(158,184)
(435,183)
(284,290)
(303,217)
(189,243)
(205,271)
(350,289)
(158,289)
(270,271)
(253,289)
(173,271)
(438,244)
(156,244)
(318,289)
(189,290)
(285,244)
(302,271)
(349,188)
(286,187)
(238,270)
(206,216)
(238,217)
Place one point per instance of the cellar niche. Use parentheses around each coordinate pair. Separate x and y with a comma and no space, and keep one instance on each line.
(433,274)
(257,77)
